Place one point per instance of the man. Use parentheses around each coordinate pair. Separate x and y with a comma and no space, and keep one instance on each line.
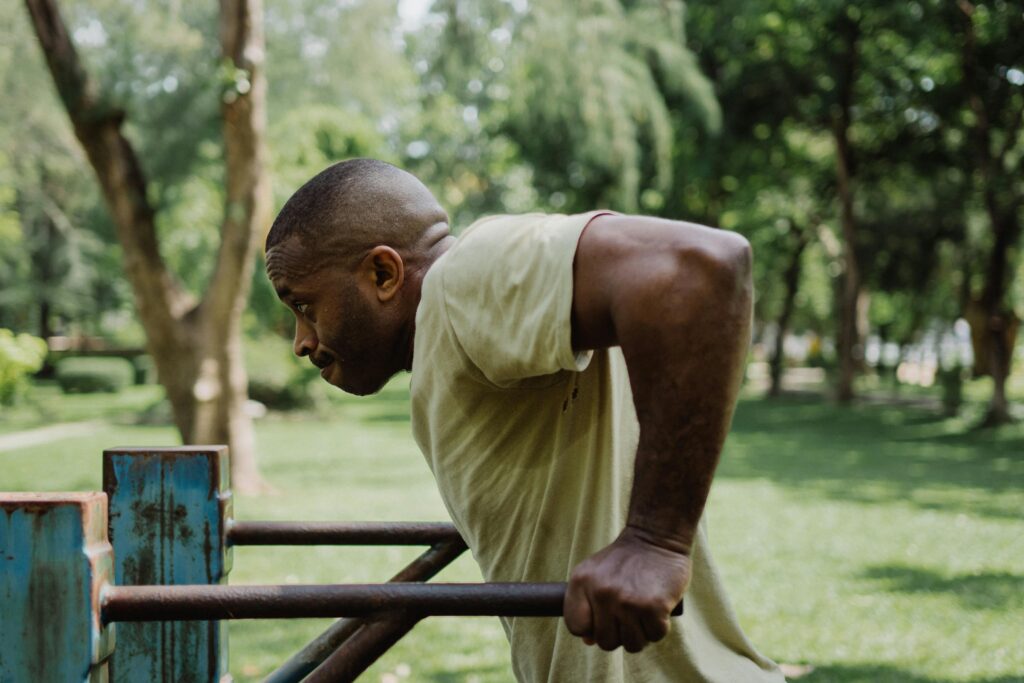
(573,380)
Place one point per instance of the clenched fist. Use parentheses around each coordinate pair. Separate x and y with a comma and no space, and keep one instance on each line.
(624,594)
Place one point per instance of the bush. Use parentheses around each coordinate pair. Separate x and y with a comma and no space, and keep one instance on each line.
(88,375)
(20,356)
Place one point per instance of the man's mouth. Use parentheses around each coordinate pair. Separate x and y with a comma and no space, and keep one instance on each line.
(322,362)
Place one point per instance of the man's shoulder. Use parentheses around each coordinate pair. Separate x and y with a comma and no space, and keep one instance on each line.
(496,227)
(507,237)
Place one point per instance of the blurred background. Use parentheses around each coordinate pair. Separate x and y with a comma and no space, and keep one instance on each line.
(868,510)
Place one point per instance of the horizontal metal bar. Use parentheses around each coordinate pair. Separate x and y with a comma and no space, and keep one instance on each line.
(186,603)
(202,602)
(340,533)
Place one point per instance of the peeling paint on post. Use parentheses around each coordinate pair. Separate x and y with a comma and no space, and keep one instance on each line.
(168,512)
(54,560)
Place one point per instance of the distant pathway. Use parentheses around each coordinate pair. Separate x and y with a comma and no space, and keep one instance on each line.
(41,435)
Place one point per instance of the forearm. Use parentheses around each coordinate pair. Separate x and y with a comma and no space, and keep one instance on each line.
(676,297)
(685,373)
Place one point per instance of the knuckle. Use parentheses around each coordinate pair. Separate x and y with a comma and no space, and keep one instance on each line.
(579,576)
(654,607)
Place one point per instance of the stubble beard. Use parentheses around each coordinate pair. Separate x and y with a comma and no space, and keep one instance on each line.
(364,361)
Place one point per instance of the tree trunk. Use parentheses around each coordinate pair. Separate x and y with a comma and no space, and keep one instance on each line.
(998,322)
(850,285)
(848,341)
(196,347)
(792,283)
(999,362)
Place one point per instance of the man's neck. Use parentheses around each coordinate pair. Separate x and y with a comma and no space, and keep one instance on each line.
(419,271)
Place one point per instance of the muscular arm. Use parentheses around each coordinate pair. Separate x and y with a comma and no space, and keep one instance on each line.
(677,298)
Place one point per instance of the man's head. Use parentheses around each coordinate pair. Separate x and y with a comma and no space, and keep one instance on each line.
(347,255)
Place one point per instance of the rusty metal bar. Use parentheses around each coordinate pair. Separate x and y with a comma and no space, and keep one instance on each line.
(340,533)
(358,652)
(361,650)
(200,602)
(423,568)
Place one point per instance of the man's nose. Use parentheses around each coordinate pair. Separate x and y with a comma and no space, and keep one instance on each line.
(305,340)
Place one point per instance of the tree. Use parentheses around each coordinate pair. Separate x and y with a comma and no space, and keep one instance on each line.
(827,114)
(564,102)
(195,345)
(770,174)
(591,84)
(991,58)
(848,33)
(49,282)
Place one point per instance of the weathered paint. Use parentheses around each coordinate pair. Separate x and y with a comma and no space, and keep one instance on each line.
(54,561)
(168,508)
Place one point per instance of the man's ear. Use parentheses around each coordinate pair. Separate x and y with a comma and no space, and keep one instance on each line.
(384,270)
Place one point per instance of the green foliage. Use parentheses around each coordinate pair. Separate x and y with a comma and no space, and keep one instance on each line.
(344,55)
(553,105)
(52,277)
(86,375)
(278,379)
(155,62)
(20,356)
(590,83)
(309,139)
(718,112)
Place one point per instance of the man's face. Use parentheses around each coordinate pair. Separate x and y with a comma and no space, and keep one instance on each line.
(339,324)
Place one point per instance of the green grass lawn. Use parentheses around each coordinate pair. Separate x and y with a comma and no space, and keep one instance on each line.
(878,544)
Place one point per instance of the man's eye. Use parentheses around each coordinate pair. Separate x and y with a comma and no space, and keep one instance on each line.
(301,307)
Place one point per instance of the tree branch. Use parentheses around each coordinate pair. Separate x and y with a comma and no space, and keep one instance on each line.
(247,201)
(97,126)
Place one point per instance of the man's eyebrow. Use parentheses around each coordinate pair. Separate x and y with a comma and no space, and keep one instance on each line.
(283,291)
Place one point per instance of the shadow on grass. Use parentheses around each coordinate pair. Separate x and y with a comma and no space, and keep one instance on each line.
(987,590)
(876,453)
(879,673)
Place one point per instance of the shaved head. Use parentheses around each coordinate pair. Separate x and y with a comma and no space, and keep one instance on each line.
(347,209)
(348,254)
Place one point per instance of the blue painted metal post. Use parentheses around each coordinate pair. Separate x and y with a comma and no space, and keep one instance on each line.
(54,561)
(168,511)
